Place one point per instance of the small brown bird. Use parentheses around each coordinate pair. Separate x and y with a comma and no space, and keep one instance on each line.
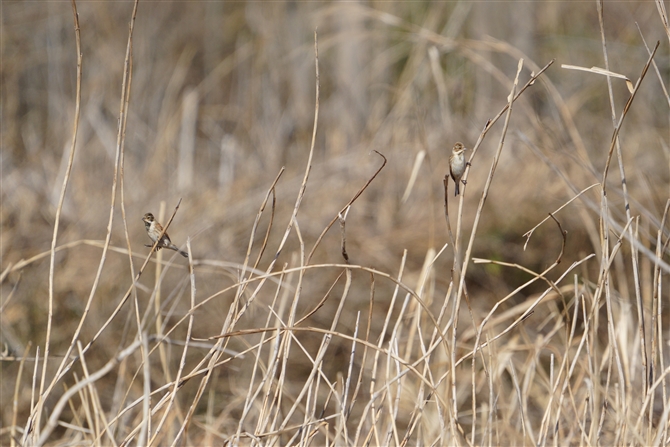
(457,165)
(154,230)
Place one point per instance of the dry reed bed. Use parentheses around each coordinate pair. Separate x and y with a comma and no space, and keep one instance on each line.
(325,332)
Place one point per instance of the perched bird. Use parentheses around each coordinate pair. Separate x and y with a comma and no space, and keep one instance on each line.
(154,230)
(457,165)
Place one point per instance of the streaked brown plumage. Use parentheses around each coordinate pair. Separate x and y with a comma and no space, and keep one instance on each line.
(154,230)
(457,165)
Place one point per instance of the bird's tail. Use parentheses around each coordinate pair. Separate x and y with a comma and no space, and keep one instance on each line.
(181,252)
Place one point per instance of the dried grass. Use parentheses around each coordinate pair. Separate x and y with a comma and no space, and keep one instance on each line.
(322,301)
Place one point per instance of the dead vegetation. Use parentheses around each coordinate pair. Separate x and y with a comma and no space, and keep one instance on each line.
(337,293)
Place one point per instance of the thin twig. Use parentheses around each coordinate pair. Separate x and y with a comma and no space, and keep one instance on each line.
(626,108)
(353,199)
(529,233)
(343,219)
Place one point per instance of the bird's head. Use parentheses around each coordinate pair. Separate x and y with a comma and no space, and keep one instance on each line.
(458,149)
(148,218)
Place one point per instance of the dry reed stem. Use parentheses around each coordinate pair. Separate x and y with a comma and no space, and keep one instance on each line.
(144,427)
(411,367)
(463,270)
(131,287)
(99,413)
(593,395)
(624,186)
(347,206)
(125,98)
(182,363)
(653,62)
(15,397)
(266,380)
(271,191)
(35,420)
(528,311)
(551,215)
(292,222)
(604,225)
(596,208)
(52,423)
(97,335)
(36,413)
(156,297)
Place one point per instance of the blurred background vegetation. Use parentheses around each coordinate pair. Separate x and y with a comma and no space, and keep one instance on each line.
(223,97)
